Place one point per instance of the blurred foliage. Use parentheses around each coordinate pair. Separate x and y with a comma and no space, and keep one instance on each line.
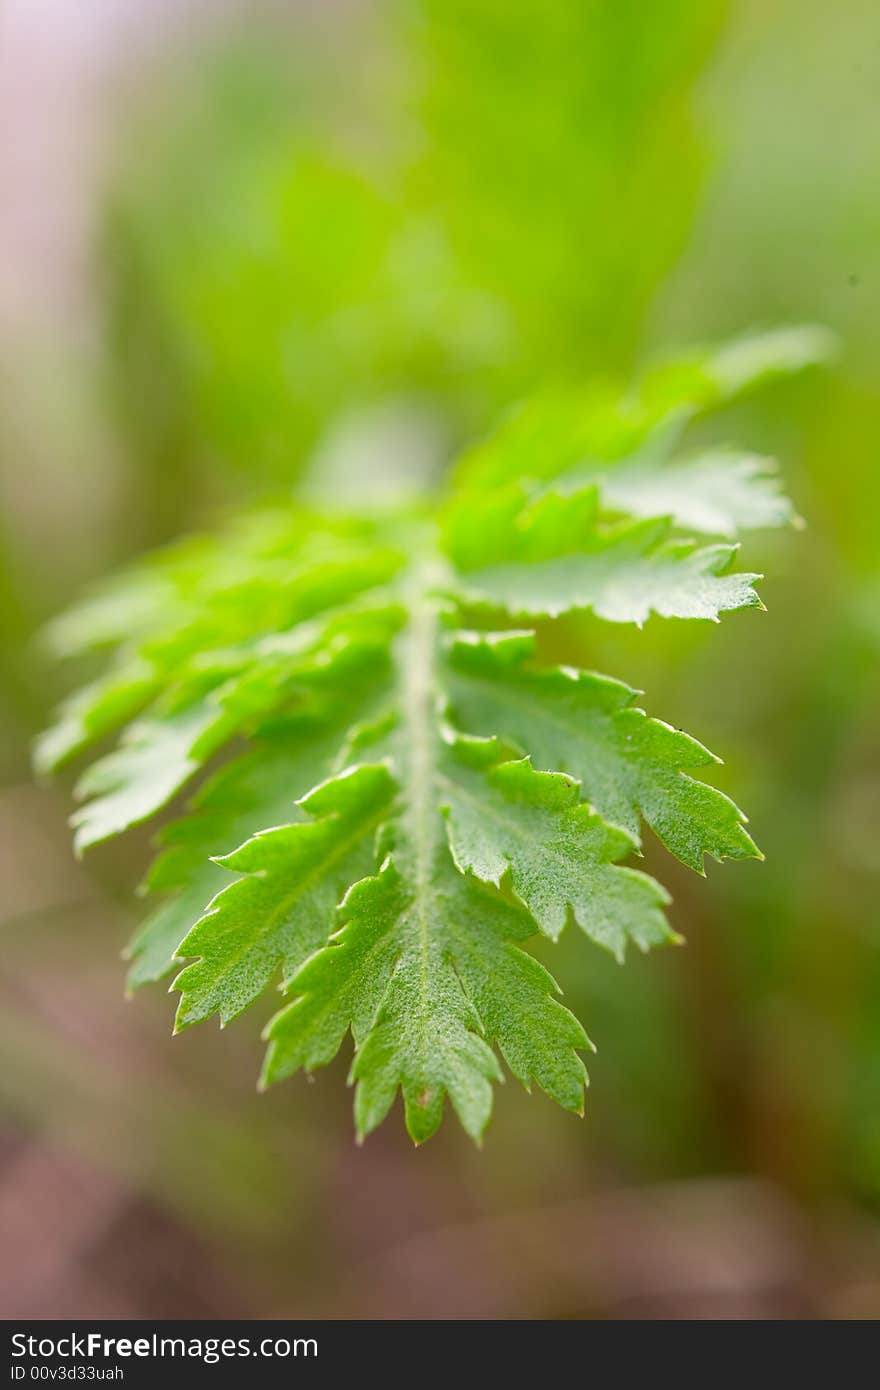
(453,203)
(793,221)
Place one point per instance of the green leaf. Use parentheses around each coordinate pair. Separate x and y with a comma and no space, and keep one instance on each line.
(629,766)
(719,493)
(426,980)
(622,574)
(404,795)
(567,432)
(254,791)
(109,615)
(201,712)
(405,974)
(278,912)
(95,711)
(717,375)
(507,821)
(127,786)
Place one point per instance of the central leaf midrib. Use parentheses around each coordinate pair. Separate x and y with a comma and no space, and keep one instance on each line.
(418,692)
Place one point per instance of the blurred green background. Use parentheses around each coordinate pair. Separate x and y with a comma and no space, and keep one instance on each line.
(249,248)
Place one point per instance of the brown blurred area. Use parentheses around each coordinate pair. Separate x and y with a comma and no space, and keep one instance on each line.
(729,1163)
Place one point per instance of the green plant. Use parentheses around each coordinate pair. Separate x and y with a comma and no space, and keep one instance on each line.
(401,788)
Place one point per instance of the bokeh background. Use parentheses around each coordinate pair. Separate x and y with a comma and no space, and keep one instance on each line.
(244,244)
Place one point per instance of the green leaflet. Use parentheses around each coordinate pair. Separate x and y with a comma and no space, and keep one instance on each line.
(155,760)
(717,375)
(403,802)
(425,982)
(551,555)
(560,856)
(256,790)
(558,431)
(277,913)
(566,461)
(266,573)
(233,692)
(197,598)
(109,615)
(630,766)
(290,755)
(95,711)
(622,575)
(719,493)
